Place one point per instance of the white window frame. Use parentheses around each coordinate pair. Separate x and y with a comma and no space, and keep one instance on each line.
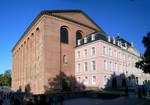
(93,81)
(78,54)
(85,67)
(116,54)
(93,50)
(105,81)
(110,52)
(93,65)
(104,50)
(86,80)
(111,66)
(78,79)
(78,68)
(119,54)
(124,56)
(85,52)
(105,65)
(116,67)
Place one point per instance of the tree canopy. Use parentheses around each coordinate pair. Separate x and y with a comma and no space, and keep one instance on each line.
(144,64)
(5,78)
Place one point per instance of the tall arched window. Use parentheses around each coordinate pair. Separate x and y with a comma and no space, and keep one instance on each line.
(78,35)
(64,34)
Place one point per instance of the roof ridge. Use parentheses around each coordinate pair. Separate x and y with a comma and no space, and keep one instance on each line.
(58,11)
(50,12)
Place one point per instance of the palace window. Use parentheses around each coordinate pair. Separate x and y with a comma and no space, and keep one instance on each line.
(124,56)
(93,80)
(93,51)
(78,54)
(111,66)
(116,54)
(93,66)
(105,65)
(105,50)
(110,52)
(85,66)
(119,55)
(116,68)
(79,79)
(78,68)
(85,52)
(86,80)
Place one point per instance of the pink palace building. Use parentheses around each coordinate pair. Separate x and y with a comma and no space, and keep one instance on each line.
(103,61)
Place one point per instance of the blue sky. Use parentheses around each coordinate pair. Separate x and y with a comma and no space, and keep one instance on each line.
(129,18)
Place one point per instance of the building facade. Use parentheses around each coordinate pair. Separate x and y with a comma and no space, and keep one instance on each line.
(102,61)
(47,48)
(50,49)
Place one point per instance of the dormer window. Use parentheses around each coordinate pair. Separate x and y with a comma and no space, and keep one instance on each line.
(109,39)
(114,40)
(93,37)
(118,43)
(85,40)
(79,42)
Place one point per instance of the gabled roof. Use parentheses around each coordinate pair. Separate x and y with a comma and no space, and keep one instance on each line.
(76,16)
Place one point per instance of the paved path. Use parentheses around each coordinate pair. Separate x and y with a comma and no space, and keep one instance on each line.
(119,101)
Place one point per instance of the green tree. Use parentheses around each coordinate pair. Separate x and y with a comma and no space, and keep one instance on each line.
(1,79)
(5,79)
(144,64)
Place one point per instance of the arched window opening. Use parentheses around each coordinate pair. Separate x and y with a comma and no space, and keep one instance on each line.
(37,32)
(28,38)
(64,34)
(65,59)
(32,34)
(37,28)
(78,35)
